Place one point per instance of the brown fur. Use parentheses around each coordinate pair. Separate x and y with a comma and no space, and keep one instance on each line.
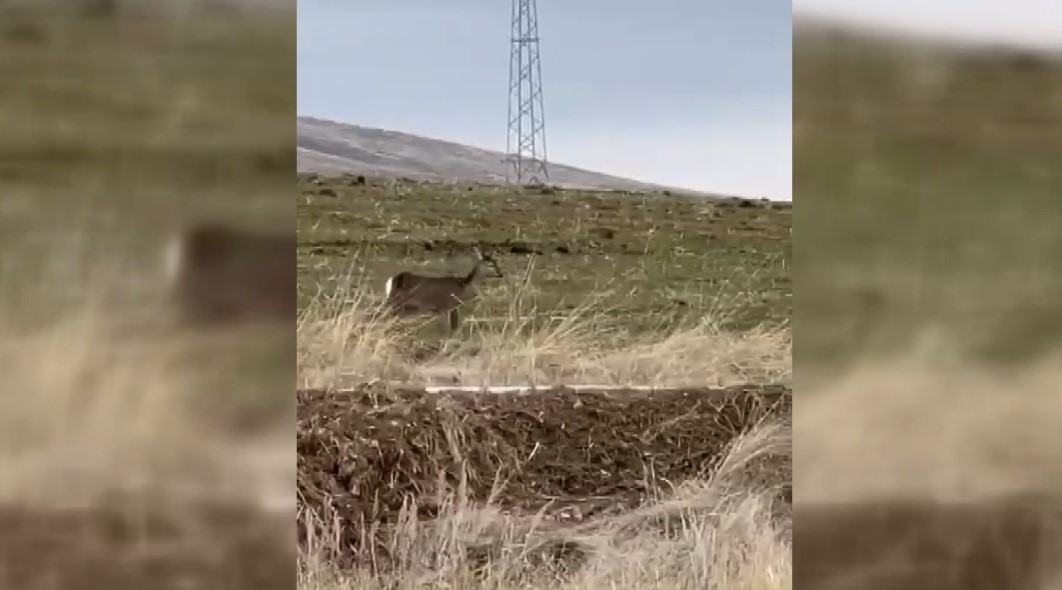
(412,294)
(227,274)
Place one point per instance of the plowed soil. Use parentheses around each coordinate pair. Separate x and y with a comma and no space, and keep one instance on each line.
(363,452)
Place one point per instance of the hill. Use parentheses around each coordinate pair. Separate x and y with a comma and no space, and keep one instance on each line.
(330,148)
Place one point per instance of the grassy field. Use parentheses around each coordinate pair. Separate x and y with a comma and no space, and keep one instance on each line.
(928,181)
(402,488)
(604,278)
(117,127)
(927,317)
(643,259)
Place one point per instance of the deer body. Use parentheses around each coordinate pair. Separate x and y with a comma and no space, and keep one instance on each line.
(219,274)
(409,294)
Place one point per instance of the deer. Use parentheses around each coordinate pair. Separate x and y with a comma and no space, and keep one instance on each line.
(410,294)
(219,274)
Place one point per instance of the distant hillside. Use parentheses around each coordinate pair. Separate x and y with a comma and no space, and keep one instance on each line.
(328,148)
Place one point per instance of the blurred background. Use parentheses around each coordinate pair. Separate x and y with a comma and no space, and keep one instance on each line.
(138,449)
(931,173)
(928,169)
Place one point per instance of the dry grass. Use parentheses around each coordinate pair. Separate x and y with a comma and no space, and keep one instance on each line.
(950,469)
(716,533)
(105,404)
(930,425)
(928,319)
(600,290)
(110,471)
(720,532)
(344,340)
(711,319)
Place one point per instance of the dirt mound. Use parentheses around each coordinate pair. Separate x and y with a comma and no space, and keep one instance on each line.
(362,453)
(895,544)
(138,543)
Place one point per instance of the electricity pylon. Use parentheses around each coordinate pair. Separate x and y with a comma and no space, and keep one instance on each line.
(526,145)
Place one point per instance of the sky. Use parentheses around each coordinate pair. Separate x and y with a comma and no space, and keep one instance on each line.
(696,96)
(1035,24)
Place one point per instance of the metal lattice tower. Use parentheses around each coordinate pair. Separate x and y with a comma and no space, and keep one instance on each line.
(527,127)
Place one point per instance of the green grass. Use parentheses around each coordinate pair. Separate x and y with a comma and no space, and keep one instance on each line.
(928,183)
(647,263)
(115,128)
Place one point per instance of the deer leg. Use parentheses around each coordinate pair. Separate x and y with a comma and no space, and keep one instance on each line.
(454,318)
(388,310)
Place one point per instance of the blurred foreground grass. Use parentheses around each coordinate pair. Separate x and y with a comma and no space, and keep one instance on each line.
(929,182)
(927,314)
(116,126)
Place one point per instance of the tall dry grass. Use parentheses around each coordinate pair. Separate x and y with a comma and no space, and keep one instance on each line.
(109,474)
(928,316)
(719,533)
(932,424)
(105,400)
(344,339)
(711,534)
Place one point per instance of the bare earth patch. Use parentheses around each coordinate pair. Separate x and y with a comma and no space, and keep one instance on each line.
(372,458)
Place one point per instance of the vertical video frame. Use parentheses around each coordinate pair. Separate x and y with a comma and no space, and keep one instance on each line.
(521,369)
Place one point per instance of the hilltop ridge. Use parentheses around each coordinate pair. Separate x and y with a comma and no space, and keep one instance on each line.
(330,148)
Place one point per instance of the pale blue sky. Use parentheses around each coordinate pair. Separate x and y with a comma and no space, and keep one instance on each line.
(696,95)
